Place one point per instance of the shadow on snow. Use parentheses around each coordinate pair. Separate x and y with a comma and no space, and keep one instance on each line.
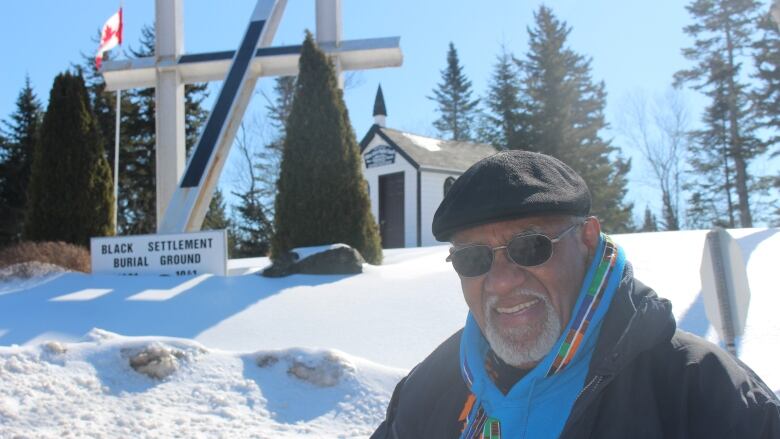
(31,313)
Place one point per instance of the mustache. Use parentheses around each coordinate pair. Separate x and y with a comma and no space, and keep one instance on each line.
(492,301)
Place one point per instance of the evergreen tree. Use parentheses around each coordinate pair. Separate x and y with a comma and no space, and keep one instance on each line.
(650,223)
(723,30)
(103,104)
(254,224)
(711,184)
(268,160)
(4,149)
(253,229)
(217,219)
(137,172)
(16,159)
(280,106)
(457,110)
(565,115)
(70,191)
(767,94)
(501,123)
(322,196)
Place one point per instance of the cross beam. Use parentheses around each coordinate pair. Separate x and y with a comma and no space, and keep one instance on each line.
(170,69)
(372,53)
(191,199)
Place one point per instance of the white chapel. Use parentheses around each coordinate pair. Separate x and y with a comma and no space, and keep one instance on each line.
(408,176)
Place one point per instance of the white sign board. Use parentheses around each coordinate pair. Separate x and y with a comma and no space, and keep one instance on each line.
(179,254)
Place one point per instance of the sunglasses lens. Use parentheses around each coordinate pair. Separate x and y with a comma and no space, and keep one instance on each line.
(472,261)
(530,250)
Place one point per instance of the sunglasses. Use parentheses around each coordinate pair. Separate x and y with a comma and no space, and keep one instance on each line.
(525,250)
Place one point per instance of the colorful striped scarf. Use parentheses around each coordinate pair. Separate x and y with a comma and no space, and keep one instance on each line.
(537,406)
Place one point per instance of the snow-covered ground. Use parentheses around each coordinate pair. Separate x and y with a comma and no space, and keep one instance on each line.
(89,389)
(303,356)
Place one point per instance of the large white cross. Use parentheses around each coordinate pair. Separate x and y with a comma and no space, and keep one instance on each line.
(170,69)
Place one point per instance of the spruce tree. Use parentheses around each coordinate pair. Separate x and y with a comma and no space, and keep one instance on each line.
(501,123)
(70,192)
(103,104)
(268,160)
(253,228)
(16,160)
(723,32)
(565,116)
(650,223)
(322,196)
(711,184)
(217,219)
(254,222)
(457,110)
(767,93)
(280,106)
(137,161)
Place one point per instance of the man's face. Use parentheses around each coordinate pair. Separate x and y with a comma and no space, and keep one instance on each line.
(523,310)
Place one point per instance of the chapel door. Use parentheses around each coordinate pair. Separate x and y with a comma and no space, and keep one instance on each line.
(391,210)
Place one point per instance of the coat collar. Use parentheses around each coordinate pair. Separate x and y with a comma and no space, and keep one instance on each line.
(636,321)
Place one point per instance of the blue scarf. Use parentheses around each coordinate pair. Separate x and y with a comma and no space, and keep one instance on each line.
(538,405)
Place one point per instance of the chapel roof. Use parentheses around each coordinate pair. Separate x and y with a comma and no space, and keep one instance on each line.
(431,153)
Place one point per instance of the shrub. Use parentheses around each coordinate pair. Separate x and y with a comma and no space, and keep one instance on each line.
(70,194)
(322,196)
(61,254)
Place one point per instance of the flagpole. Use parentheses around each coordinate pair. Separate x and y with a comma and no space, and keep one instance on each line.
(116,161)
(116,134)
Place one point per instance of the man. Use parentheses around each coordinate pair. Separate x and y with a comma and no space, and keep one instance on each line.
(561,340)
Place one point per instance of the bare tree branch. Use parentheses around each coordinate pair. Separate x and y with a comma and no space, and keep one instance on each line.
(658,129)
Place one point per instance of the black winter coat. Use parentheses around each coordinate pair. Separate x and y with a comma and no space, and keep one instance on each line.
(646,380)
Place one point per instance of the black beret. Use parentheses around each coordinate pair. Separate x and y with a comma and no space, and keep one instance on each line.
(510,185)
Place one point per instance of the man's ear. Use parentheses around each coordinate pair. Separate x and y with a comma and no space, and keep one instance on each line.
(591,231)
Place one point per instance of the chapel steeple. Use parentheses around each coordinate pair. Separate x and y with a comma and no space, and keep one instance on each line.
(380,112)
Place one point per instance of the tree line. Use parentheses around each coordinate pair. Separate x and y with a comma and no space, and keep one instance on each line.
(547,101)
(56,189)
(302,189)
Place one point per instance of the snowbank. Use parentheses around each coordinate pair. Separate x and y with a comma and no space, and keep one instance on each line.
(89,388)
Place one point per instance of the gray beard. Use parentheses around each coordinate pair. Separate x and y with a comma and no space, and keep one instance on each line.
(509,345)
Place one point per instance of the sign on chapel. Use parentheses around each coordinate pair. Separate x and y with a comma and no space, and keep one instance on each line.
(408,176)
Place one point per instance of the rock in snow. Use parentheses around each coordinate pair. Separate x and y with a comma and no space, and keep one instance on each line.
(322,370)
(326,259)
(155,360)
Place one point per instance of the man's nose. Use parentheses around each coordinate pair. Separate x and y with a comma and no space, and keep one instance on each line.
(504,276)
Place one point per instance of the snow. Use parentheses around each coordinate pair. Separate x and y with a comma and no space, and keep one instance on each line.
(424,142)
(669,262)
(301,356)
(89,387)
(26,275)
(28,270)
(302,253)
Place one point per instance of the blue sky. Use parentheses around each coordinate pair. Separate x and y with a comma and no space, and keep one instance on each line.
(634,45)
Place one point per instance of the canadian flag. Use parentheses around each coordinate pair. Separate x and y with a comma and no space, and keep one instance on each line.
(110,36)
